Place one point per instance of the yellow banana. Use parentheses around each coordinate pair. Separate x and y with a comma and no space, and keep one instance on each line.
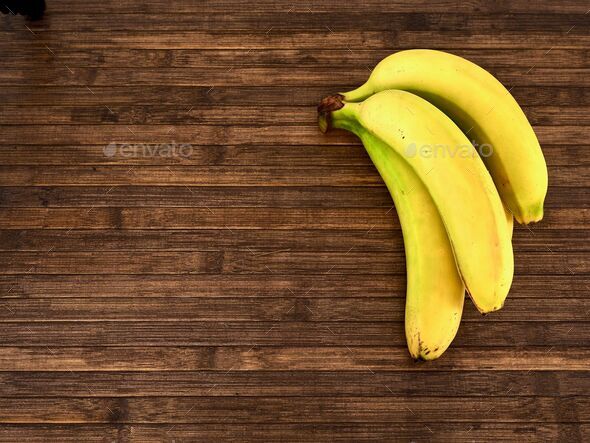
(482,107)
(435,292)
(456,179)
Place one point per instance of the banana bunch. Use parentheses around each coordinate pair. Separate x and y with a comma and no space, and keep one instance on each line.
(455,199)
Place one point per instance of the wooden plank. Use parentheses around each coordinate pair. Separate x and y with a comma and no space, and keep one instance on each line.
(293,410)
(187,134)
(229,115)
(231,196)
(259,76)
(113,262)
(475,332)
(104,175)
(38,56)
(273,285)
(157,154)
(214,197)
(232,262)
(256,241)
(354,21)
(245,262)
(286,308)
(468,384)
(180,134)
(237,218)
(296,433)
(240,155)
(276,38)
(286,358)
(185,97)
(35,433)
(205,175)
(318,432)
(437,6)
(200,218)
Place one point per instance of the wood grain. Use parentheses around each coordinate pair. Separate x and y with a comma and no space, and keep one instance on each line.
(254,241)
(293,328)
(297,432)
(285,358)
(474,385)
(253,309)
(252,289)
(438,6)
(287,410)
(246,95)
(234,115)
(374,20)
(235,218)
(197,58)
(42,134)
(32,285)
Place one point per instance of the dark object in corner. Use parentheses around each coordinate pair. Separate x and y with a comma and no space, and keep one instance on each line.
(33,9)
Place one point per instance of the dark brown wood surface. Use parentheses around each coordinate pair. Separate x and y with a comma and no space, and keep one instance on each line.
(253,287)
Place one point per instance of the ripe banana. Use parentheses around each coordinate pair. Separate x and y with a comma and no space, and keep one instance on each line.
(457,181)
(435,292)
(482,107)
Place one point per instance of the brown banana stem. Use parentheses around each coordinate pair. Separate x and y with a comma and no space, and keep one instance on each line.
(326,107)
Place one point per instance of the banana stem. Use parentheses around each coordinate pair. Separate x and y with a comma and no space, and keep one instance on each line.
(333,112)
(358,94)
(325,108)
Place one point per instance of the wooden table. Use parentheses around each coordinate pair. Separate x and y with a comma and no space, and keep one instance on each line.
(184,257)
